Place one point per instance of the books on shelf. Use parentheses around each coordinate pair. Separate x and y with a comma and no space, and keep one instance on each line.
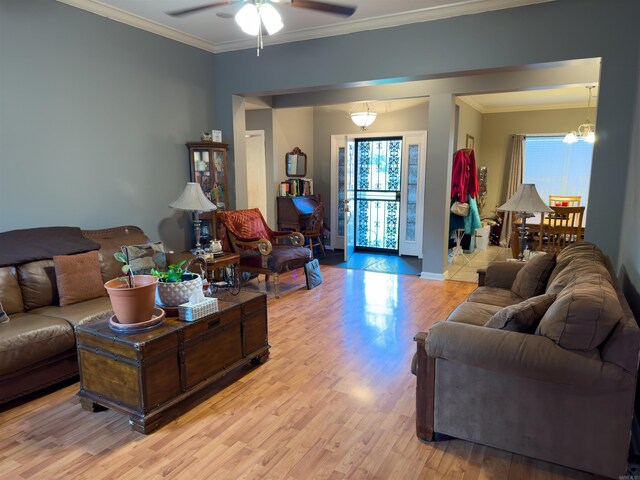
(296,187)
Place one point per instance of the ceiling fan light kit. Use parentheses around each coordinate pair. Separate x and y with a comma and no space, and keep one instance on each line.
(256,13)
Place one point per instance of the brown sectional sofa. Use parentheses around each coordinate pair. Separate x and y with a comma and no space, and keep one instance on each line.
(529,393)
(37,345)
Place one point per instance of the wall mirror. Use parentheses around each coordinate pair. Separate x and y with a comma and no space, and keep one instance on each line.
(296,163)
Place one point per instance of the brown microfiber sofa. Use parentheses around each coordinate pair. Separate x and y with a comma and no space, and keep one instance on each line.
(527,392)
(37,345)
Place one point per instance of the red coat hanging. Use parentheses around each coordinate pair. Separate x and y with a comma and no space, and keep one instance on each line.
(464,178)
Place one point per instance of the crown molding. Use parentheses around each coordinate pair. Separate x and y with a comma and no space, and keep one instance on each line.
(122,16)
(467,7)
(473,103)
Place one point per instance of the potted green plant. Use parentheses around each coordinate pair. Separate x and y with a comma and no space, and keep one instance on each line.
(132,297)
(176,285)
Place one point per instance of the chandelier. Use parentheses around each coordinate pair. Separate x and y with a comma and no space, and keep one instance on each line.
(586,131)
(364,117)
(253,15)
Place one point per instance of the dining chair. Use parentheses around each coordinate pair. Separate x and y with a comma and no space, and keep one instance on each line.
(561,228)
(564,200)
(313,230)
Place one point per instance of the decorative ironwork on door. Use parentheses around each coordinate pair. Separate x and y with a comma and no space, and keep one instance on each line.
(378,193)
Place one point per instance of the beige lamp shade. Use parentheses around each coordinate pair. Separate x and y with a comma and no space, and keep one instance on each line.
(193,199)
(526,199)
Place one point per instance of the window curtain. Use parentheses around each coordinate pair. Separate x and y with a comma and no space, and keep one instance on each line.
(515,180)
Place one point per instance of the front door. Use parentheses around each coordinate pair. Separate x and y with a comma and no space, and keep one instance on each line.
(377,193)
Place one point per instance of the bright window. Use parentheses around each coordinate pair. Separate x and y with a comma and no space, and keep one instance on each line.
(558,168)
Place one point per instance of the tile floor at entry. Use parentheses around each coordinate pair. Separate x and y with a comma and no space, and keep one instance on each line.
(462,270)
(459,269)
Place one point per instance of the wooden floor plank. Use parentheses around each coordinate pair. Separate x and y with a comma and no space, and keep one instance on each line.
(335,401)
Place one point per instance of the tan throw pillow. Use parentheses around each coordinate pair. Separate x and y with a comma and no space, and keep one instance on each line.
(531,280)
(4,318)
(78,277)
(143,258)
(522,317)
(583,315)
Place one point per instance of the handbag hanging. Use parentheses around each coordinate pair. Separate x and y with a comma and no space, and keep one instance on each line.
(460,208)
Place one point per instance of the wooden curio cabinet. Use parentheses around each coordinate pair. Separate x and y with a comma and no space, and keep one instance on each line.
(208,167)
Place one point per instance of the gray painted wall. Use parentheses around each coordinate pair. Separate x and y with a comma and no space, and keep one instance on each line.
(94,116)
(501,39)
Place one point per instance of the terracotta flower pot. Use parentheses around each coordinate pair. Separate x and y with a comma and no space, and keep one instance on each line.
(133,305)
(172,294)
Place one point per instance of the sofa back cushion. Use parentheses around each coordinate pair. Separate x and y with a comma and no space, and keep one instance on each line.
(532,279)
(576,269)
(144,258)
(522,317)
(111,240)
(583,314)
(10,293)
(78,277)
(584,250)
(38,284)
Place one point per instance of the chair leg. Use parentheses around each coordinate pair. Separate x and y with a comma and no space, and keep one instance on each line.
(311,247)
(321,246)
(276,284)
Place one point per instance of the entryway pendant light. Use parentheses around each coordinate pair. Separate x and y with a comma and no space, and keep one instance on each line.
(365,117)
(253,15)
(586,131)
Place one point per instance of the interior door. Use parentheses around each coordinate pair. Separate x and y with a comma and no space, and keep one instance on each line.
(349,200)
(256,171)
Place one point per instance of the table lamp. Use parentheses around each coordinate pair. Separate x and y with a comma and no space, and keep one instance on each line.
(524,203)
(193,200)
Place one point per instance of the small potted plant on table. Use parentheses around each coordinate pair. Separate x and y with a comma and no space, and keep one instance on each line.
(132,297)
(176,285)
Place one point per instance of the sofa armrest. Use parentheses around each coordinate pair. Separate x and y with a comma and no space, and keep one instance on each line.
(501,274)
(530,356)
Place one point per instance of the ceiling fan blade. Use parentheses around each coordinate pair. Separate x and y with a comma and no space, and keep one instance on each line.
(324,7)
(187,11)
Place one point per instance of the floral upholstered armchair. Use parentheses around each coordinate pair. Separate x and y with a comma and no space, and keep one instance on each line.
(261,250)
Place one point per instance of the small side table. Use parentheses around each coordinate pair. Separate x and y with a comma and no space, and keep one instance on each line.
(218,275)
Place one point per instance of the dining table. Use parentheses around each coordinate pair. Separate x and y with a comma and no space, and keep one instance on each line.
(534,226)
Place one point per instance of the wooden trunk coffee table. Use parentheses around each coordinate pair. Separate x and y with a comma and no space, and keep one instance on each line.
(145,375)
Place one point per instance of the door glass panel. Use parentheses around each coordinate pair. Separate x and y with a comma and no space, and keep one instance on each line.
(412,193)
(378,193)
(341,151)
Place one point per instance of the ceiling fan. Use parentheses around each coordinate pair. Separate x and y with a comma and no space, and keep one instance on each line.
(256,13)
(319,6)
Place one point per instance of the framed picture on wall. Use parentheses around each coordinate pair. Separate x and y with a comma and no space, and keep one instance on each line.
(470,141)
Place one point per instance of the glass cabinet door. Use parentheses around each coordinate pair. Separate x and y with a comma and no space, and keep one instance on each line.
(208,167)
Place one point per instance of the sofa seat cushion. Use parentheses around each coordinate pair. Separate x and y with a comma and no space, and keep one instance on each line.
(575,270)
(583,314)
(531,280)
(281,259)
(30,338)
(473,313)
(500,297)
(522,317)
(10,293)
(78,313)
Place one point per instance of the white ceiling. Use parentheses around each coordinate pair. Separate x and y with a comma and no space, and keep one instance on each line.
(207,30)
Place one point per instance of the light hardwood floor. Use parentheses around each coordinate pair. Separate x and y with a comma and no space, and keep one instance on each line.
(335,401)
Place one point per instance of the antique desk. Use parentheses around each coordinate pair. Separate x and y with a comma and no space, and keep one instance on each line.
(145,375)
